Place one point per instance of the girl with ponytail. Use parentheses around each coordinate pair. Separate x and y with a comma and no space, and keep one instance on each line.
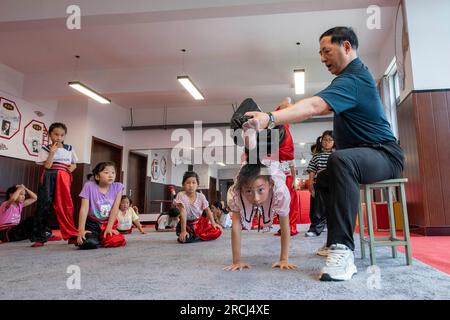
(100,201)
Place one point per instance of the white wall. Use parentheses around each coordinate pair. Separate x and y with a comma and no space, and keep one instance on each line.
(105,121)
(225,174)
(86,118)
(203,172)
(74,114)
(11,81)
(158,155)
(429,34)
(14,147)
(11,88)
(177,174)
(427,57)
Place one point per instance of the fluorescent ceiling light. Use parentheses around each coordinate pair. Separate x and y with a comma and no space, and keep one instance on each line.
(190,87)
(89,92)
(299,80)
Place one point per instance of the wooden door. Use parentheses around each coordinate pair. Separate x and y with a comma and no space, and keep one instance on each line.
(136,182)
(212,193)
(106,151)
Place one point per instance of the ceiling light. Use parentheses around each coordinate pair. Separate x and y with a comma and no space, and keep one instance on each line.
(299,80)
(303,160)
(190,87)
(299,76)
(187,82)
(89,92)
(84,89)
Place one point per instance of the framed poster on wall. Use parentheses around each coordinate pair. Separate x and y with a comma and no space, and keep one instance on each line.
(163,166)
(10,119)
(155,169)
(35,135)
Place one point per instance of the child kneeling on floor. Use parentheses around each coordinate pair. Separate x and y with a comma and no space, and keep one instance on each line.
(127,217)
(99,207)
(168,221)
(193,226)
(221,216)
(11,209)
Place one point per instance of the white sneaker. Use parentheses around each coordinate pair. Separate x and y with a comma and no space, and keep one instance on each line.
(340,264)
(323,251)
(310,234)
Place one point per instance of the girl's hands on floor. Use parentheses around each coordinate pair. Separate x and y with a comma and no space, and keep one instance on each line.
(110,232)
(284,264)
(237,266)
(182,236)
(82,237)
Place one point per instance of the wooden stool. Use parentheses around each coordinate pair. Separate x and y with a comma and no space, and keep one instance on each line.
(391,241)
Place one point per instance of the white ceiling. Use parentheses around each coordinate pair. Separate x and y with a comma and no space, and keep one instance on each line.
(130,50)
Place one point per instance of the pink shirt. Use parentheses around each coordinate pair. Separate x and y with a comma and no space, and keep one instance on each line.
(277,203)
(12,214)
(193,210)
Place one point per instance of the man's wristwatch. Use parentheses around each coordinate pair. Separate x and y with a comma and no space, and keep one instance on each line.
(271,123)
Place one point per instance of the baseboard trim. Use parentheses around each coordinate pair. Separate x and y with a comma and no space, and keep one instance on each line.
(430,231)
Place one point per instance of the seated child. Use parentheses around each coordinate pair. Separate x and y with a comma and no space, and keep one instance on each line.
(259,187)
(11,209)
(127,217)
(192,225)
(221,216)
(100,201)
(167,221)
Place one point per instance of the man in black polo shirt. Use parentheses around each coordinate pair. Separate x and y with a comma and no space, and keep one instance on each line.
(366,148)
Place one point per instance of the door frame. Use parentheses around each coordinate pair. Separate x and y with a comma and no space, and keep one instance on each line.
(109,144)
(145,178)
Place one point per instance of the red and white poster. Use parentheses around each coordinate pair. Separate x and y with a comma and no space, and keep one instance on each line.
(10,119)
(155,169)
(35,135)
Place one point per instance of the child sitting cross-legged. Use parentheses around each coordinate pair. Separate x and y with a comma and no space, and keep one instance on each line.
(127,217)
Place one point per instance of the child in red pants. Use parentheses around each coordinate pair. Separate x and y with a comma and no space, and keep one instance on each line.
(59,161)
(193,224)
(100,201)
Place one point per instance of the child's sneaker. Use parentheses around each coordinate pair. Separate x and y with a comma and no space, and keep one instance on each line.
(340,264)
(311,234)
(323,251)
(37,244)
